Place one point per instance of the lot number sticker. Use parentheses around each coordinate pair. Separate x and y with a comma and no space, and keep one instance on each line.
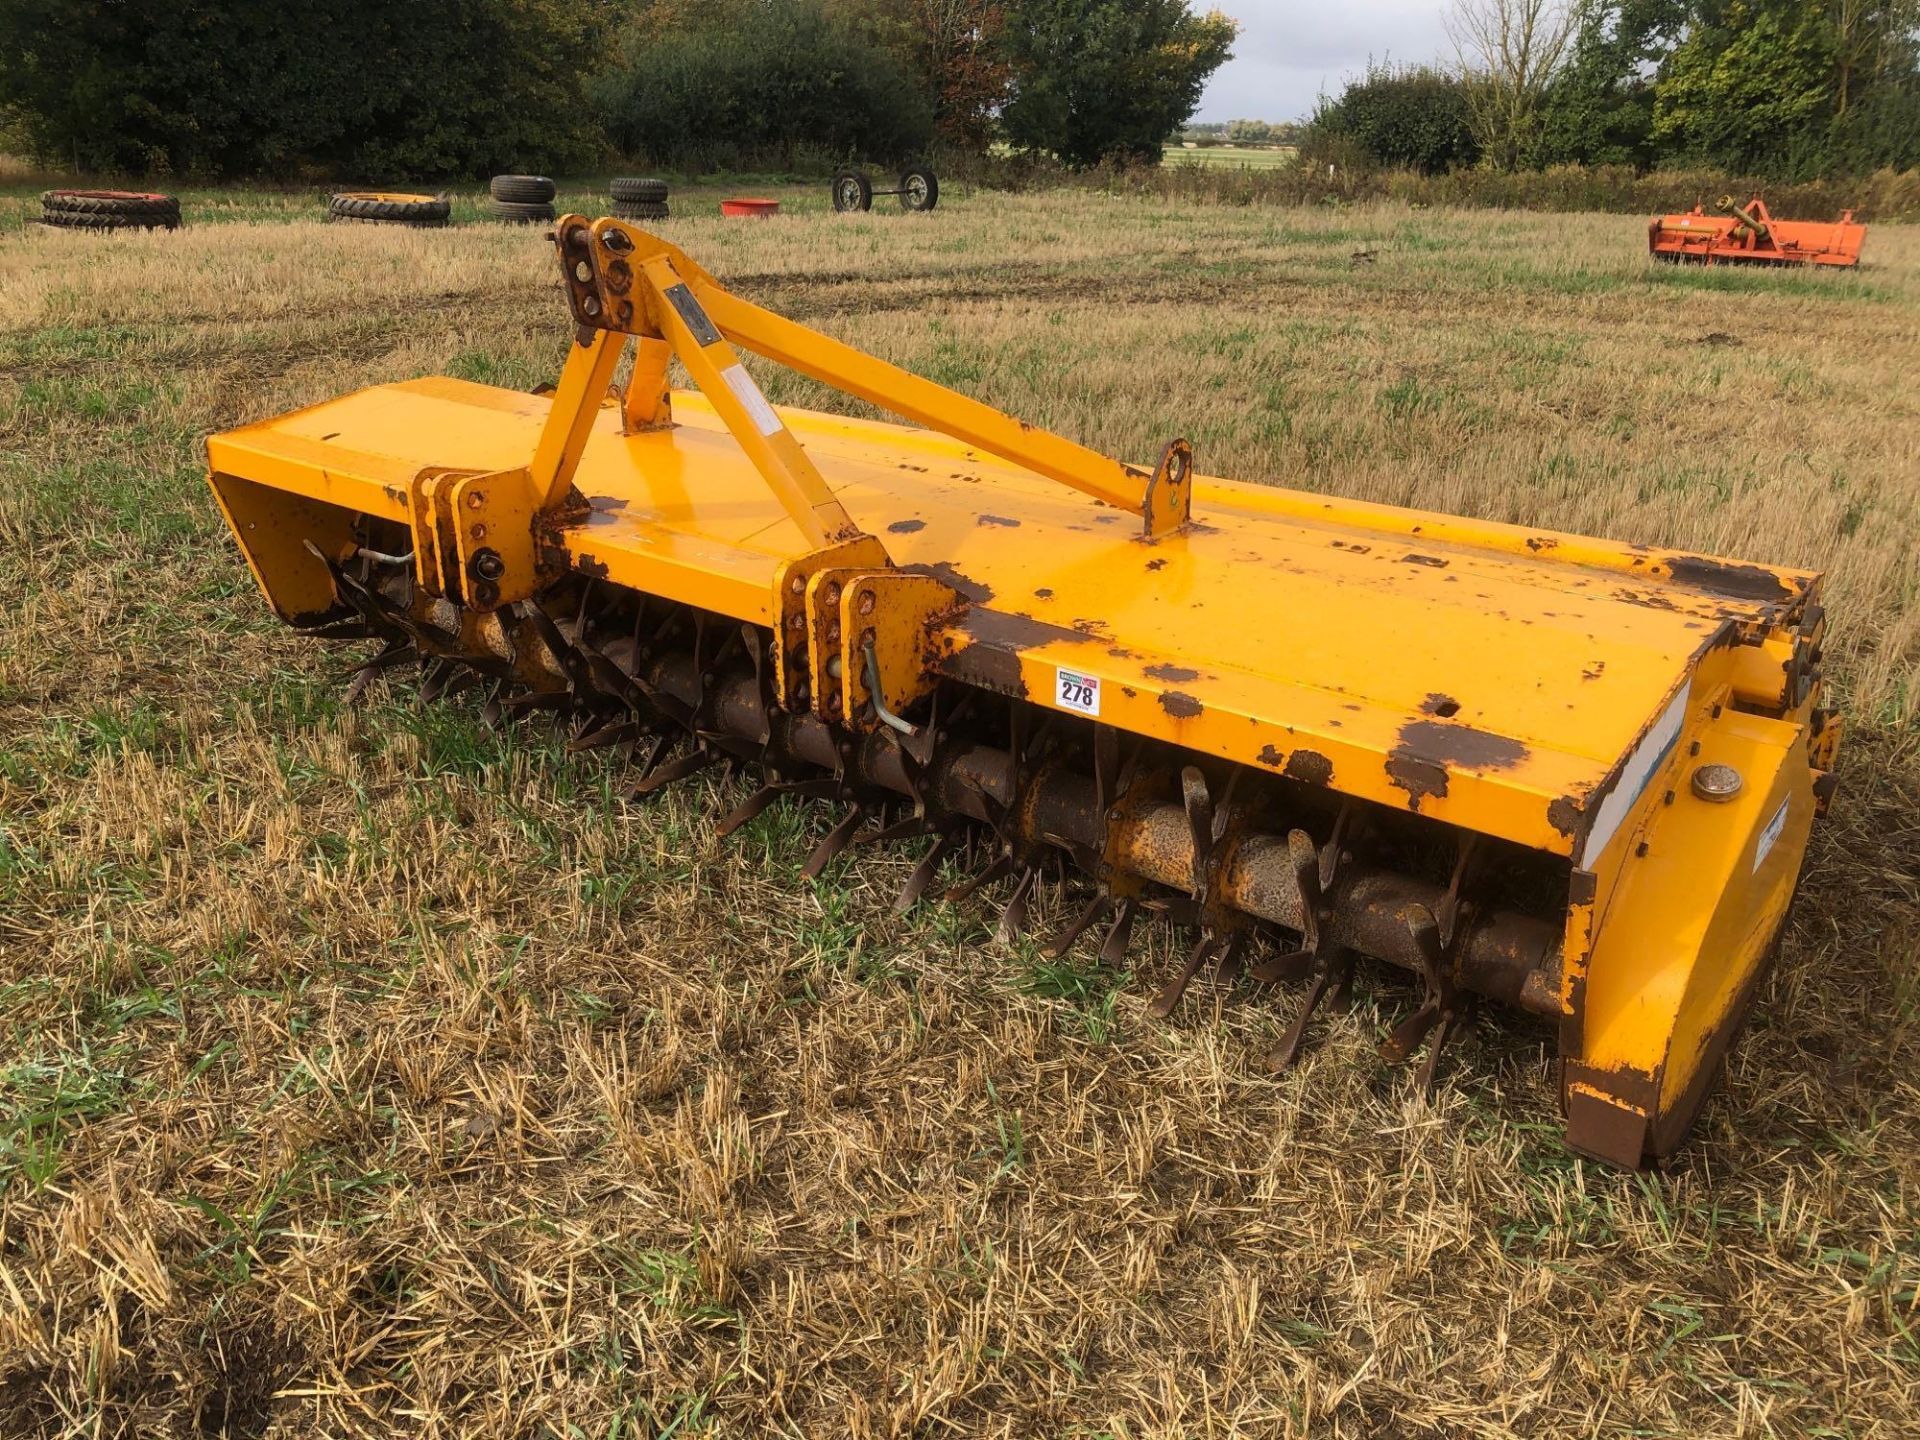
(1075,691)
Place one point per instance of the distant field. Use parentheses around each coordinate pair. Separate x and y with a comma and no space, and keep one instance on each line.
(371,1071)
(1257,157)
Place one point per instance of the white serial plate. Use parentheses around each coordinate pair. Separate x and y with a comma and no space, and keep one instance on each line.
(1077,692)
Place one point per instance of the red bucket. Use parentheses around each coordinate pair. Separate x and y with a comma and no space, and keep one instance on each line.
(747,206)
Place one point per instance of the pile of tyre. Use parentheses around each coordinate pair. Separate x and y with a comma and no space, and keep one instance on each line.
(109,210)
(635,198)
(389,207)
(520,199)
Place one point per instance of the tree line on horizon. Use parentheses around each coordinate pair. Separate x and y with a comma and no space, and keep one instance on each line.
(1783,89)
(430,88)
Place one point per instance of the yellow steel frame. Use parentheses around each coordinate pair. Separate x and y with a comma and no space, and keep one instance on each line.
(478,537)
(1673,899)
(627,281)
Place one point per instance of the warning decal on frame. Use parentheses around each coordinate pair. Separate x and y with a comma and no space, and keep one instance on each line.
(1077,692)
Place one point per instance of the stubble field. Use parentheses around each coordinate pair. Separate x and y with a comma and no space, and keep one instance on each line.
(370,1071)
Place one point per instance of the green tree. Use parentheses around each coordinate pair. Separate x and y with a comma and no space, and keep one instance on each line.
(1599,109)
(1509,53)
(1107,79)
(1413,117)
(345,87)
(1751,87)
(762,82)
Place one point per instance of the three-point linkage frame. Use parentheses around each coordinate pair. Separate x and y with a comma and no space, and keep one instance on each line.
(847,617)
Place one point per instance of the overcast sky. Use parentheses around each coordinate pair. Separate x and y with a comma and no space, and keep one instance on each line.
(1291,50)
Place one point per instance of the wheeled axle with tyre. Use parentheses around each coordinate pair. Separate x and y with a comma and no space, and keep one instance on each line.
(919,190)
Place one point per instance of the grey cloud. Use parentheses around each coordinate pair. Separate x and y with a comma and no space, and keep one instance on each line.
(1289,52)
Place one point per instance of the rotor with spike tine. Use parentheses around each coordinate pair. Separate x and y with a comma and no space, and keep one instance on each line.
(1215,830)
(688,691)
(1120,782)
(1444,1006)
(1315,874)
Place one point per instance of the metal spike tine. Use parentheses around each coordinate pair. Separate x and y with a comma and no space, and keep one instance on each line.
(1013,917)
(1193,792)
(341,630)
(1113,950)
(1450,1025)
(610,680)
(549,634)
(1063,939)
(1224,810)
(724,648)
(357,686)
(757,802)
(1452,907)
(905,829)
(533,700)
(1332,854)
(461,678)
(1169,997)
(1425,930)
(924,873)
(1408,1034)
(437,672)
(836,840)
(747,809)
(1280,969)
(1282,1056)
(1340,998)
(1000,868)
(655,748)
(1227,967)
(398,652)
(614,732)
(679,768)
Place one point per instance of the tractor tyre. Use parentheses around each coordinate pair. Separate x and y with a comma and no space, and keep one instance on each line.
(919,188)
(381,207)
(649,211)
(635,190)
(852,192)
(521,189)
(126,209)
(511,212)
(62,220)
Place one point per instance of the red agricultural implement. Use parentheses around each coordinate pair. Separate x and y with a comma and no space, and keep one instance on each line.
(1748,233)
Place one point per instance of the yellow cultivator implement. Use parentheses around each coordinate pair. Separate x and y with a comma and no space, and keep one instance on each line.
(1572,777)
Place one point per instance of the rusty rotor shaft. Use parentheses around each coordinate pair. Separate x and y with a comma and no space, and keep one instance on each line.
(1508,956)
